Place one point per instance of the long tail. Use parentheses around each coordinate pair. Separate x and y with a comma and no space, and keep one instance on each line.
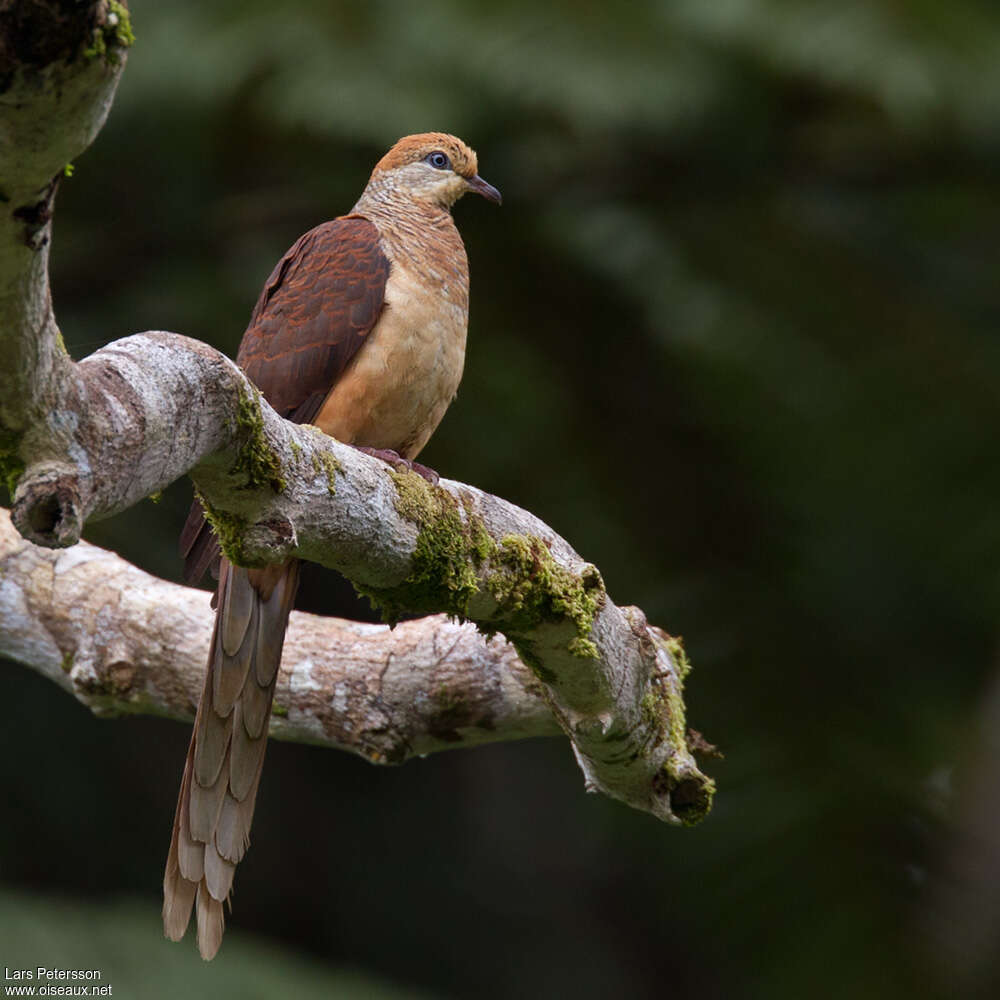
(222,771)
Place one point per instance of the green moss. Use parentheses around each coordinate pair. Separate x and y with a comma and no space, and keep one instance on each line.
(530,587)
(323,461)
(279,710)
(691,799)
(479,538)
(658,716)
(675,647)
(258,462)
(662,707)
(124,35)
(256,459)
(652,712)
(156,497)
(690,792)
(675,711)
(228,528)
(115,33)
(663,711)
(11,464)
(446,556)
(455,557)
(585,649)
(296,449)
(67,661)
(416,499)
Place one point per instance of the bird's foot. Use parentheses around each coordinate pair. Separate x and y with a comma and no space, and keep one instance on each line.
(397,461)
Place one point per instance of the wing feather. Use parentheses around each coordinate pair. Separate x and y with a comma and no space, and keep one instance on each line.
(322,300)
(316,310)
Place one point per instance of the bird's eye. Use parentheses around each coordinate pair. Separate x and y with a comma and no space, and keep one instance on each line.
(438,160)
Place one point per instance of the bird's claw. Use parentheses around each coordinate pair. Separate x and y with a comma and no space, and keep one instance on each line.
(424,471)
(397,461)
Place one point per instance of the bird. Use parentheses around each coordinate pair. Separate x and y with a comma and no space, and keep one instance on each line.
(360,330)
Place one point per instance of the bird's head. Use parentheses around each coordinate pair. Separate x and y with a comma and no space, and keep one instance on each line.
(433,167)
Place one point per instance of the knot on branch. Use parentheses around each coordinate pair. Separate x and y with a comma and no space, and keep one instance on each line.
(685,796)
(33,35)
(265,543)
(36,216)
(47,505)
(59,65)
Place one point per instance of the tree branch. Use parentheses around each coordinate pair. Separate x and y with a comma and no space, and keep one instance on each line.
(121,641)
(87,440)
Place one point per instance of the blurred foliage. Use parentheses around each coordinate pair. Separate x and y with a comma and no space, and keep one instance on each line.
(123,942)
(734,334)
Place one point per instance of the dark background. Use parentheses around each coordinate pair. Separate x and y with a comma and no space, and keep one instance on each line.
(734,334)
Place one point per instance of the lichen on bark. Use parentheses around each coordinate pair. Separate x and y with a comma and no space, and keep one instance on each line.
(456,563)
(450,548)
(256,458)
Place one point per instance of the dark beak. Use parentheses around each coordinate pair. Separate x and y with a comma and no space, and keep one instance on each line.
(488,191)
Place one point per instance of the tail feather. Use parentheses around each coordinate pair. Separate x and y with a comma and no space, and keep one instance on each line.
(212,736)
(218,872)
(269,642)
(222,773)
(235,665)
(254,708)
(203,808)
(232,835)
(211,922)
(178,898)
(238,609)
(247,757)
(178,891)
(190,851)
(199,546)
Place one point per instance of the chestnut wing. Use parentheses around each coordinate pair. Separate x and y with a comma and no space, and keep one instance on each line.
(316,309)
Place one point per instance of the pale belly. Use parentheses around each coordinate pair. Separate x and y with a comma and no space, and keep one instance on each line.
(396,390)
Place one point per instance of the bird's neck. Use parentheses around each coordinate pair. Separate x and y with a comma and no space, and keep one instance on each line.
(382,202)
(418,235)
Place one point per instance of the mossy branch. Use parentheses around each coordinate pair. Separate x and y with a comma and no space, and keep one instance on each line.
(83,441)
(411,546)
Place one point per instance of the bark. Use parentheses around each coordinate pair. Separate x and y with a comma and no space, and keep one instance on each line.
(86,440)
(121,641)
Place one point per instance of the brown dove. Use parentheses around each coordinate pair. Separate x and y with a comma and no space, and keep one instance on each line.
(360,330)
